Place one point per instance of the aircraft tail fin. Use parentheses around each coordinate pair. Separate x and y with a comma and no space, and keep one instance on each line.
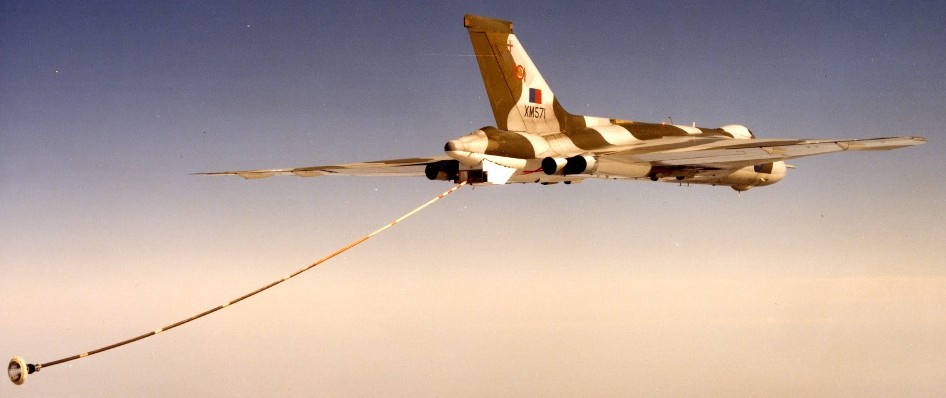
(520,97)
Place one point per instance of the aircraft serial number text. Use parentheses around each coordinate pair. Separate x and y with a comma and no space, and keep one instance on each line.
(535,112)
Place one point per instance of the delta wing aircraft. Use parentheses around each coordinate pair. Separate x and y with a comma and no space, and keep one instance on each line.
(536,140)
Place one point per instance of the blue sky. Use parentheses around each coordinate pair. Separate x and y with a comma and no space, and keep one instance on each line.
(830,282)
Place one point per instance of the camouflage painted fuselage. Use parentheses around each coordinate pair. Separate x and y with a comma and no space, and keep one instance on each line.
(536,141)
(536,136)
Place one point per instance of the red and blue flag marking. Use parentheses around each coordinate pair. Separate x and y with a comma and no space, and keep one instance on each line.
(535,95)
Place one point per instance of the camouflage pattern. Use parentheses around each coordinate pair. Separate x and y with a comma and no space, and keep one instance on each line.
(532,124)
(535,140)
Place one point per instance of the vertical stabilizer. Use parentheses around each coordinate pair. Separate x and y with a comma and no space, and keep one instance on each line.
(519,96)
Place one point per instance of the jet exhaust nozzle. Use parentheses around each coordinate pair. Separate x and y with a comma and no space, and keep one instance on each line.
(444,170)
(573,165)
(552,166)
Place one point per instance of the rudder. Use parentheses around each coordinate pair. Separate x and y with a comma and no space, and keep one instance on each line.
(520,98)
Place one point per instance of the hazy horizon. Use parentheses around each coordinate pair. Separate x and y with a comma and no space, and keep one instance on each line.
(830,283)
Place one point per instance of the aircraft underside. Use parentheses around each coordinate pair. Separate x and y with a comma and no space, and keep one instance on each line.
(535,140)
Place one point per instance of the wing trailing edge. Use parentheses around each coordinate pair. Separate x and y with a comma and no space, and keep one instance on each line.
(409,167)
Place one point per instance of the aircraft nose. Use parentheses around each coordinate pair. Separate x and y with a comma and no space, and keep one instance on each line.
(453,146)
